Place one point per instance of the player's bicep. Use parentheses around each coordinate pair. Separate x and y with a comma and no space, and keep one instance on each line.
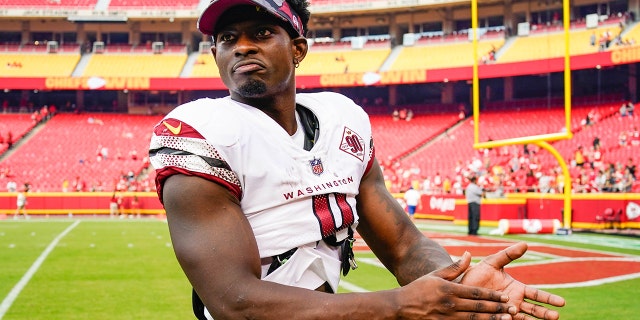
(209,231)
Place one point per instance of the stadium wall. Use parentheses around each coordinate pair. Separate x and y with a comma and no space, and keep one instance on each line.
(588,209)
(79,203)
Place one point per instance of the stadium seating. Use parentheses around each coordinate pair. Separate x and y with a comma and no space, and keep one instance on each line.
(449,55)
(552,45)
(135,65)
(66,148)
(181,4)
(13,127)
(342,61)
(456,145)
(393,138)
(204,67)
(38,65)
(49,3)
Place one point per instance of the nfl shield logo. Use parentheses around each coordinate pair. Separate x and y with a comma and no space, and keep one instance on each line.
(316,166)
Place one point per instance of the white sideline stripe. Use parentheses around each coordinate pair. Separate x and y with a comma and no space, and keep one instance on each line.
(351,287)
(11,297)
(588,283)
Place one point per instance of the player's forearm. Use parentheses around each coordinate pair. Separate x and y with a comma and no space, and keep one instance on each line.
(422,258)
(266,300)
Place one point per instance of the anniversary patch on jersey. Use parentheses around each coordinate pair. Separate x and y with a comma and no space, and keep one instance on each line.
(316,166)
(352,144)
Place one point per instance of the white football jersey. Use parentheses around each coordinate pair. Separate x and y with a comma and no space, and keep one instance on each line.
(290,196)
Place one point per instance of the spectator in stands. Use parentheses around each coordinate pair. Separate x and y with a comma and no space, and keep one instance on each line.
(12,186)
(630,108)
(597,158)
(9,139)
(52,110)
(531,181)
(559,179)
(402,114)
(78,184)
(447,185)
(623,110)
(437,183)
(596,142)
(635,136)
(395,115)
(610,184)
(426,185)
(601,180)
(409,115)
(626,181)
(546,182)
(631,167)
(65,185)
(457,187)
(622,138)
(579,158)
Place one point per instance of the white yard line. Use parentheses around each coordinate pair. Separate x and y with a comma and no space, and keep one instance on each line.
(11,297)
(351,287)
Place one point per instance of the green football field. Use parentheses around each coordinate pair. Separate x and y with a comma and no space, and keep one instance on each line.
(125,269)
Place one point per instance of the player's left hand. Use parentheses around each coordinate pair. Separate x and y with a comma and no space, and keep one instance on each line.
(489,273)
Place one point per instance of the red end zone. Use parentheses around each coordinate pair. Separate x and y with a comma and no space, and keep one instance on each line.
(558,266)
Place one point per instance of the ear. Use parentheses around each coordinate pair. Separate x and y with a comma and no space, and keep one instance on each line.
(213,52)
(299,47)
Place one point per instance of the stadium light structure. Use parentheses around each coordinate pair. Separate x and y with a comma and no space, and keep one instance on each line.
(540,140)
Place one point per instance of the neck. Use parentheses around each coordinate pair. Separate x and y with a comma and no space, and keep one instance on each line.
(281,108)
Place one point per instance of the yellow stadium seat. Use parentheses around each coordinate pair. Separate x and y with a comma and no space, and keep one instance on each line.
(442,55)
(38,65)
(132,65)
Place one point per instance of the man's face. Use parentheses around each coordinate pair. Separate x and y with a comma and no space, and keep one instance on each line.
(255,57)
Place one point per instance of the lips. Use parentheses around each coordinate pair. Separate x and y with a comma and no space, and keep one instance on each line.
(247,66)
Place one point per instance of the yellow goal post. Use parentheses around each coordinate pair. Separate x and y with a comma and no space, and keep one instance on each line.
(539,140)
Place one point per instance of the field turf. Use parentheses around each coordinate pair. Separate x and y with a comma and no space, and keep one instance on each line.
(126,269)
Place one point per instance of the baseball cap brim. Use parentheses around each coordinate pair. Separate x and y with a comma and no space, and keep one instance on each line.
(278,8)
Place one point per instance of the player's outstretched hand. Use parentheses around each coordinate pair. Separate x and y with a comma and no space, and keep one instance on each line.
(489,273)
(437,296)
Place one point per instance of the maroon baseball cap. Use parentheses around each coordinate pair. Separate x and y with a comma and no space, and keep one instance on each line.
(278,8)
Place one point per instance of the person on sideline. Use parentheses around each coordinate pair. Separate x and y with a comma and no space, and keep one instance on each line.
(21,202)
(114,205)
(412,199)
(474,194)
(265,189)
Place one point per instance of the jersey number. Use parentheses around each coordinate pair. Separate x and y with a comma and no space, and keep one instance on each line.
(333,212)
(354,143)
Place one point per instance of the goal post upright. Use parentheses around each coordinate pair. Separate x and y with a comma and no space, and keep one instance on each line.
(541,140)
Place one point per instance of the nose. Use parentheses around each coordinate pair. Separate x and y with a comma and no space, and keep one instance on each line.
(245,45)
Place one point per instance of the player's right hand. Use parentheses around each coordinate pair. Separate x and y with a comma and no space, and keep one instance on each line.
(437,295)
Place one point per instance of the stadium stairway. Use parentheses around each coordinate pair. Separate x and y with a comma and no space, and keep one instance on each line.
(16,145)
(188,66)
(82,64)
(505,47)
(395,52)
(102,5)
